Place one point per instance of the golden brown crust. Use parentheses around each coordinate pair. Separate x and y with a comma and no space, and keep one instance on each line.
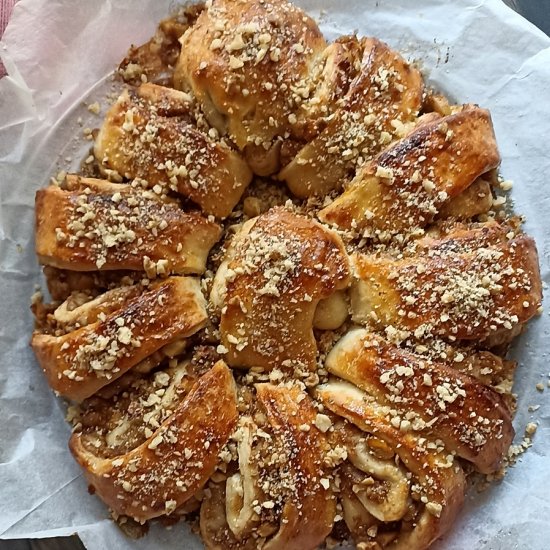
(157,141)
(384,97)
(308,514)
(427,397)
(84,360)
(462,238)
(275,273)
(405,187)
(246,62)
(167,469)
(281,494)
(97,225)
(461,296)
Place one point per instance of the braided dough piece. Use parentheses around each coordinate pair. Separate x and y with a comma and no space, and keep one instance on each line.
(98,225)
(169,467)
(308,515)
(151,134)
(427,397)
(442,484)
(478,292)
(247,62)
(305,509)
(406,185)
(79,363)
(385,96)
(278,268)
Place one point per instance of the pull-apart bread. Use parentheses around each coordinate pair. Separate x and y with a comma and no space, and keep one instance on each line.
(282,290)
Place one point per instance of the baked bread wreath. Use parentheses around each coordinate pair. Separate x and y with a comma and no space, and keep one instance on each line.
(283,292)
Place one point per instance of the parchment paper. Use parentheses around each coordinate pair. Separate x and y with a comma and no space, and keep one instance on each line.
(59,54)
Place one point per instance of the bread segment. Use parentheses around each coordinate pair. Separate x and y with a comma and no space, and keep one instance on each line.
(170,466)
(308,515)
(480,291)
(282,492)
(97,225)
(79,363)
(151,134)
(426,397)
(441,484)
(275,272)
(406,186)
(383,98)
(248,63)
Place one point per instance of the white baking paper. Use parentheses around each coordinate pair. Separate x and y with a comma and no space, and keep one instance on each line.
(60,53)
